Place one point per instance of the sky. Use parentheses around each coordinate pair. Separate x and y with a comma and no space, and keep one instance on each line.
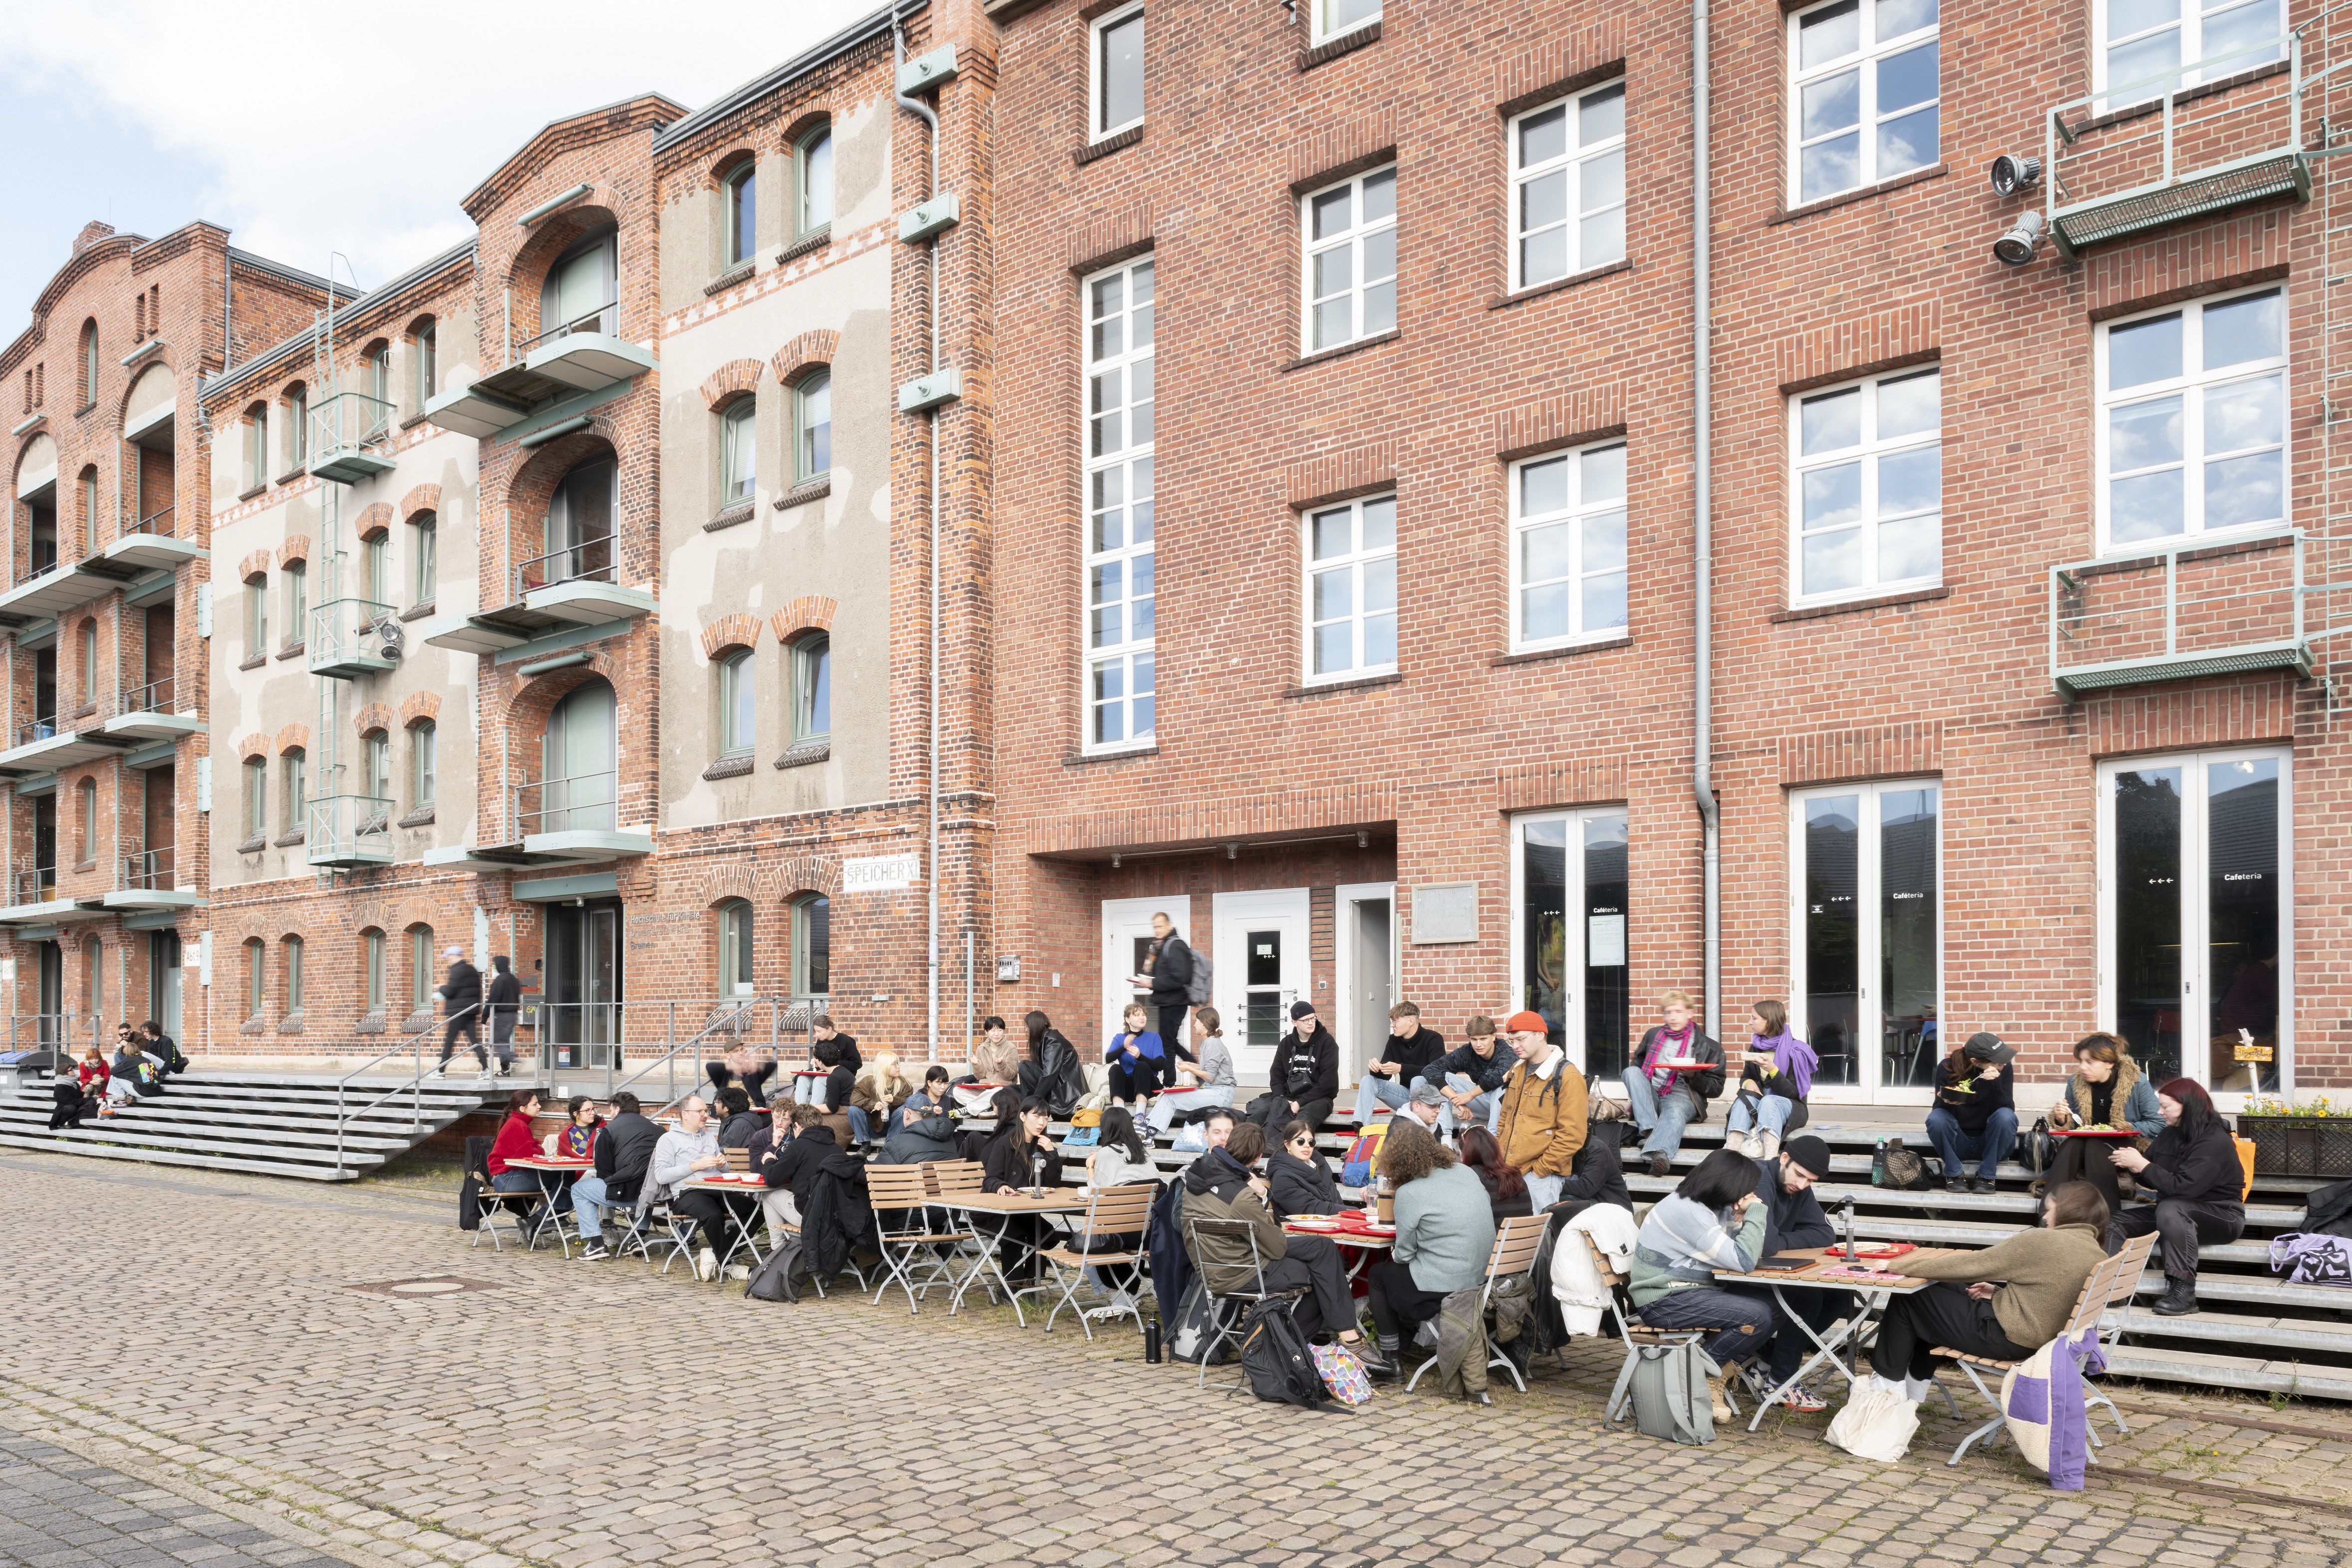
(311,130)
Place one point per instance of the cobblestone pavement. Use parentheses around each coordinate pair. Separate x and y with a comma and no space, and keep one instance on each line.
(58,1510)
(199,1336)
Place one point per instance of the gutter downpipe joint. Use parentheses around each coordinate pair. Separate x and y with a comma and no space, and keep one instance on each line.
(1703,554)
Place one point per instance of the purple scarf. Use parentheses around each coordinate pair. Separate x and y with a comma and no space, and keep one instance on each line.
(1792,1056)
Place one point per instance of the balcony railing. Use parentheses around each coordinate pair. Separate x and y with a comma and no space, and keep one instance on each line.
(589,561)
(2190,609)
(556,805)
(348,829)
(37,570)
(341,633)
(36,885)
(603,318)
(146,871)
(155,696)
(158,523)
(346,433)
(44,728)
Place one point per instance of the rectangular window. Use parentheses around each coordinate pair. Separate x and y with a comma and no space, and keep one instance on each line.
(428,367)
(812,427)
(1568,947)
(298,602)
(1351,590)
(422,548)
(293,975)
(2145,44)
(738,451)
(742,212)
(1118,73)
(1567,547)
(1335,17)
(257,798)
(812,947)
(257,438)
(379,569)
(1120,563)
(814,161)
(737,704)
(295,795)
(379,767)
(255,977)
(811,689)
(1349,276)
(1867,501)
(1567,186)
(420,969)
(1863,88)
(423,742)
(297,429)
(374,943)
(1864,862)
(2192,421)
(257,617)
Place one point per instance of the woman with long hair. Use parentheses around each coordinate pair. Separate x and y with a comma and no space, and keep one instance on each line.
(1015,1158)
(515,1142)
(1204,1080)
(1711,1221)
(2108,1089)
(2200,1189)
(1444,1233)
(1775,1076)
(1507,1190)
(1296,1179)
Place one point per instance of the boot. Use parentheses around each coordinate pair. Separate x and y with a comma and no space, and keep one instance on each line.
(1770,1144)
(1722,1405)
(2179,1296)
(1379,1364)
(1660,1164)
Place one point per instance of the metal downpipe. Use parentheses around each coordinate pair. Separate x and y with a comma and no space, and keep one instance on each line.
(1703,554)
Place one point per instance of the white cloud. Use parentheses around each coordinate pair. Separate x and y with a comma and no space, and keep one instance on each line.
(358,129)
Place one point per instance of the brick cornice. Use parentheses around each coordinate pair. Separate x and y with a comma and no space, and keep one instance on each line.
(811,348)
(731,381)
(1860,345)
(248,747)
(376,518)
(1339,475)
(809,613)
(739,630)
(2186,720)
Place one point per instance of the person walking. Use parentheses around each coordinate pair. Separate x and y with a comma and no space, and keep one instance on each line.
(461,1004)
(504,1004)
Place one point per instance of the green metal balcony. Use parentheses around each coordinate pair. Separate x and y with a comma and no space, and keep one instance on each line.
(2192,609)
(345,638)
(351,437)
(347,830)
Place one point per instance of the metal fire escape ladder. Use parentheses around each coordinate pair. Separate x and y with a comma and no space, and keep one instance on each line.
(2327,583)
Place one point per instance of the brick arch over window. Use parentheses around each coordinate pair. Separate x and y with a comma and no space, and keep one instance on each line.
(295,548)
(255,564)
(419,705)
(808,349)
(598,208)
(248,747)
(810,118)
(802,874)
(809,613)
(532,489)
(731,381)
(375,719)
(375,520)
(730,631)
(727,882)
(424,498)
(724,166)
(294,737)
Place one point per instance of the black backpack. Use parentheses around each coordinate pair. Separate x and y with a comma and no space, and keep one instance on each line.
(1280,1367)
(778,1279)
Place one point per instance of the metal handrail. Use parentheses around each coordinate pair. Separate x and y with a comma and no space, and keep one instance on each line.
(155,522)
(414,1086)
(147,870)
(611,804)
(374,423)
(526,578)
(565,328)
(34,573)
(43,727)
(31,884)
(730,1010)
(2164,88)
(2068,580)
(155,696)
(64,1024)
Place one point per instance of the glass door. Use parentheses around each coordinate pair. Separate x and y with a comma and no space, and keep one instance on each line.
(581,1019)
(2195,867)
(1569,933)
(163,981)
(1867,937)
(53,993)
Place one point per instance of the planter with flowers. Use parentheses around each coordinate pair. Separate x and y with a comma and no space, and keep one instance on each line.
(2310,1138)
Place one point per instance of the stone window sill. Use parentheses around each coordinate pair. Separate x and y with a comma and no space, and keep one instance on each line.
(256,662)
(421,818)
(736,274)
(290,1024)
(1363,683)
(85,710)
(1505,301)
(85,408)
(1321,355)
(1571,651)
(801,495)
(371,1024)
(1847,198)
(802,755)
(89,865)
(417,612)
(1849,606)
(289,837)
(420,1019)
(289,477)
(804,245)
(740,512)
(1080,759)
(256,491)
(1331,49)
(731,767)
(255,845)
(1116,142)
(291,650)
(254,1025)
(412,422)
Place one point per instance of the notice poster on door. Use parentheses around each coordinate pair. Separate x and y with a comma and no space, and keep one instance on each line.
(1604,942)
(881,873)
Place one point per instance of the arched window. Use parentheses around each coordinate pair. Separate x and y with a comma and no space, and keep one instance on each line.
(89,662)
(89,487)
(297,427)
(256,446)
(93,976)
(257,798)
(812,427)
(293,975)
(735,949)
(426,334)
(577,769)
(424,537)
(579,528)
(813,162)
(379,373)
(812,945)
(738,451)
(257,979)
(424,763)
(297,789)
(580,293)
(420,969)
(86,850)
(372,966)
(89,362)
(298,601)
(738,689)
(742,194)
(811,689)
(376,759)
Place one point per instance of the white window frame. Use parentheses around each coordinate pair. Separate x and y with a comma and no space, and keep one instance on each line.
(1868,453)
(257,616)
(427,350)
(737,247)
(376,751)
(297,574)
(1325,25)
(257,431)
(1098,78)
(1131,653)
(803,225)
(738,947)
(1581,511)
(257,798)
(804,466)
(424,538)
(737,703)
(1865,57)
(738,451)
(1576,949)
(812,662)
(424,764)
(1354,562)
(295,766)
(1573,159)
(2190,21)
(1353,238)
(804,910)
(2191,386)
(1871,1089)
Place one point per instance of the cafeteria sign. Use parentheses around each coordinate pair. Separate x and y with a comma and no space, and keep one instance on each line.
(881,873)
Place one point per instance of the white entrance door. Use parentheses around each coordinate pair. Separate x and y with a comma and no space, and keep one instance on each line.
(1126,940)
(1364,918)
(1262,969)
(1569,892)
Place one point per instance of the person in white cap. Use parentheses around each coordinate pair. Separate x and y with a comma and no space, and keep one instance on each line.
(461,1003)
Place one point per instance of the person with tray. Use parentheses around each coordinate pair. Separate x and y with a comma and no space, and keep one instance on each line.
(2107,1082)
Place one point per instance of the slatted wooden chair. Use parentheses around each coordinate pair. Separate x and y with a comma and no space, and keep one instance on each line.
(2110,1285)
(1514,1253)
(952,1178)
(1636,1335)
(1228,1308)
(739,1161)
(902,1192)
(1122,1210)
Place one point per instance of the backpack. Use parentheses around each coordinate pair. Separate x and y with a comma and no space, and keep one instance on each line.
(1363,1155)
(1187,1330)
(1201,990)
(1905,1169)
(1276,1357)
(1666,1385)
(778,1279)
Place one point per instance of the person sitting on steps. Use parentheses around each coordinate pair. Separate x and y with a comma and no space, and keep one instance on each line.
(1774,1080)
(1975,1115)
(1665,1098)
(2200,1185)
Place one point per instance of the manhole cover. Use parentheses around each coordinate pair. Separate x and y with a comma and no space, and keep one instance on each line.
(432,1285)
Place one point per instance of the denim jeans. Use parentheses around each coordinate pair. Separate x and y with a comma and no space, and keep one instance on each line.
(1988,1148)
(1771,1114)
(1487,1108)
(1662,1119)
(1543,1192)
(861,1126)
(588,1201)
(1743,1321)
(1373,1092)
(1162,1114)
(521,1181)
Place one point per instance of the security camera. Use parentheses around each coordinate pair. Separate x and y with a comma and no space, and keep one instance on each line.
(2016,247)
(2013,173)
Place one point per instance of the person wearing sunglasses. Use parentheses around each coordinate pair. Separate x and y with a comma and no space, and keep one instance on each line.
(1296,1179)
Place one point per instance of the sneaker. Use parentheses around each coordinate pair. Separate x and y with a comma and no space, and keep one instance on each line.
(1957,1185)
(436,1075)
(1722,1407)
(1768,1145)
(1751,1145)
(706,1265)
(1984,1185)
(1799,1397)
(738,1271)
(1660,1164)
(594,1252)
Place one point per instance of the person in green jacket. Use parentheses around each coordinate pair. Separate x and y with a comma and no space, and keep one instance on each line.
(2005,1302)
(1444,1234)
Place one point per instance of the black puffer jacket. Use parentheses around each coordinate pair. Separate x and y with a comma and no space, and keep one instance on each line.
(2203,1171)
(1293,1185)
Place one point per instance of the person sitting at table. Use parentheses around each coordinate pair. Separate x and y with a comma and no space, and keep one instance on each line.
(738,1123)
(1220,1186)
(1296,1179)
(2040,1273)
(1793,1221)
(685,1151)
(1666,1099)
(1775,1076)
(1547,1112)
(624,1153)
(2108,1089)
(581,1128)
(1470,1077)
(2200,1185)
(1120,1158)
(997,1058)
(1711,1221)
(1140,1061)
(1975,1114)
(786,1157)
(1507,1190)
(1304,1081)
(1599,1174)
(737,1071)
(517,1142)
(924,1126)
(1053,1072)
(1016,1159)
(874,1098)
(1444,1234)
(1404,1056)
(1204,1082)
